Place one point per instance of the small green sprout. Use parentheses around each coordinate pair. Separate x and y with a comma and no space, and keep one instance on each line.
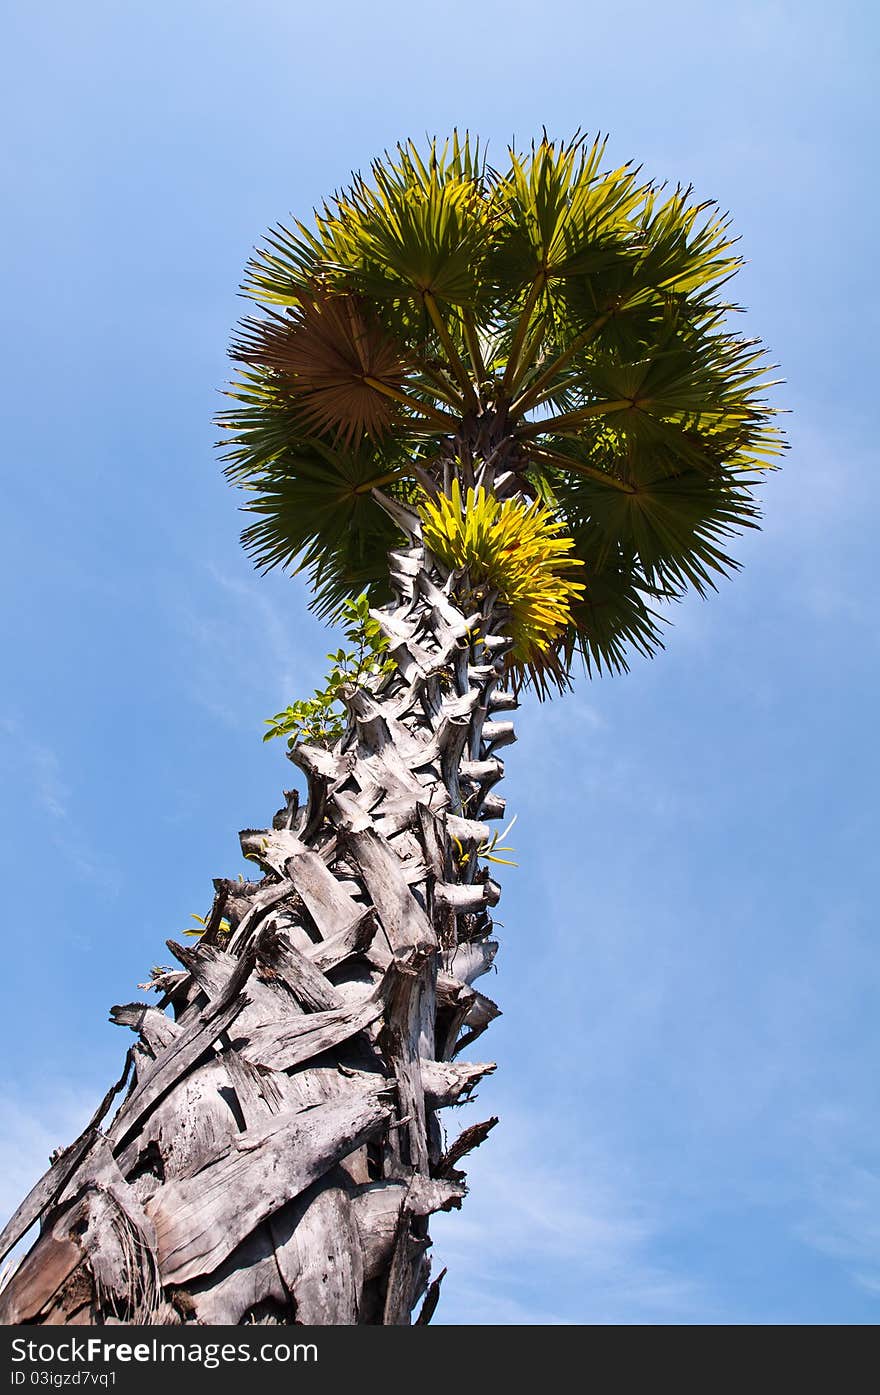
(321,720)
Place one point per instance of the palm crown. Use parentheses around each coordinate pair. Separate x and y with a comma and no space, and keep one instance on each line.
(555,330)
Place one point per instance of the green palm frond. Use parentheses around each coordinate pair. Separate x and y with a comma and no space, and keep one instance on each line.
(617,617)
(581,306)
(314,512)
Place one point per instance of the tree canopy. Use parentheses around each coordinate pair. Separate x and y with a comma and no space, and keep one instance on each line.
(566,324)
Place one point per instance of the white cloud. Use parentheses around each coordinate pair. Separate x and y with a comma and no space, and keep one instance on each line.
(549,1234)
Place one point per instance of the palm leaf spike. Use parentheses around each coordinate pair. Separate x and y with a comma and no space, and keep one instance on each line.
(512,548)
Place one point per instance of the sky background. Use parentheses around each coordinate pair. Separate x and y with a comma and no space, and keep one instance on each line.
(689,971)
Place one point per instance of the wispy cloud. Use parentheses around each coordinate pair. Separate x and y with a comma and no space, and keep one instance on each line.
(549,1235)
(47,788)
(841,1213)
(32,1128)
(36,768)
(244,639)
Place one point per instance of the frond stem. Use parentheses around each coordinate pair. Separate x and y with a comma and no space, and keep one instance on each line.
(565,463)
(452,353)
(535,394)
(444,390)
(528,353)
(522,327)
(568,419)
(420,408)
(473,344)
(378,482)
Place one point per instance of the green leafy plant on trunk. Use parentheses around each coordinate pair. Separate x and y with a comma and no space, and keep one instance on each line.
(321,720)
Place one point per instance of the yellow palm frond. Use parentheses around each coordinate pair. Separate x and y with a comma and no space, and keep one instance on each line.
(515,549)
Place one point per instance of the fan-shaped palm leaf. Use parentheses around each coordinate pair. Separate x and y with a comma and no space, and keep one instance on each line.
(559,324)
(343,372)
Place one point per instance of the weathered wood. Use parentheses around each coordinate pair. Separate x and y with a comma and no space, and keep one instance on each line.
(247,1285)
(376,1209)
(395,629)
(321,770)
(283,1045)
(431,1299)
(155,1029)
(462,898)
(118,1240)
(316,760)
(432,829)
(50,1264)
(447,619)
(353,938)
(497,645)
(492,806)
(482,1011)
(101,1249)
(469,832)
(395,815)
(403,920)
(409,521)
(444,1082)
(200,1220)
(452,738)
(329,906)
(217,913)
(407,1273)
(187,1128)
(167,982)
(307,983)
(180,1056)
(378,727)
(212,968)
(383,775)
(497,734)
(455,999)
(469,1139)
(259,902)
(482,772)
(348,812)
(256,1093)
(503,702)
(318,1251)
(407,979)
(471,960)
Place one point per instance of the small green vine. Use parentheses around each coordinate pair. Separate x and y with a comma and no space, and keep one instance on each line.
(321,720)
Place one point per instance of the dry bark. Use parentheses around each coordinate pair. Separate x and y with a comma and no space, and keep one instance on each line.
(278,1153)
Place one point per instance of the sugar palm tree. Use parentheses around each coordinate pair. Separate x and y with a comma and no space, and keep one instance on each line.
(507,409)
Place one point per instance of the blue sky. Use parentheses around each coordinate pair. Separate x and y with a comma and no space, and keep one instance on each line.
(689,975)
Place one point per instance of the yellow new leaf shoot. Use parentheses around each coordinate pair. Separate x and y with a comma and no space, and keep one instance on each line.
(516,549)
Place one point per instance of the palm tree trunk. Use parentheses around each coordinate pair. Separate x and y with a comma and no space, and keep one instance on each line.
(278,1152)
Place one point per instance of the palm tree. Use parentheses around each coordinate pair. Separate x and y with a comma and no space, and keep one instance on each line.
(508,408)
